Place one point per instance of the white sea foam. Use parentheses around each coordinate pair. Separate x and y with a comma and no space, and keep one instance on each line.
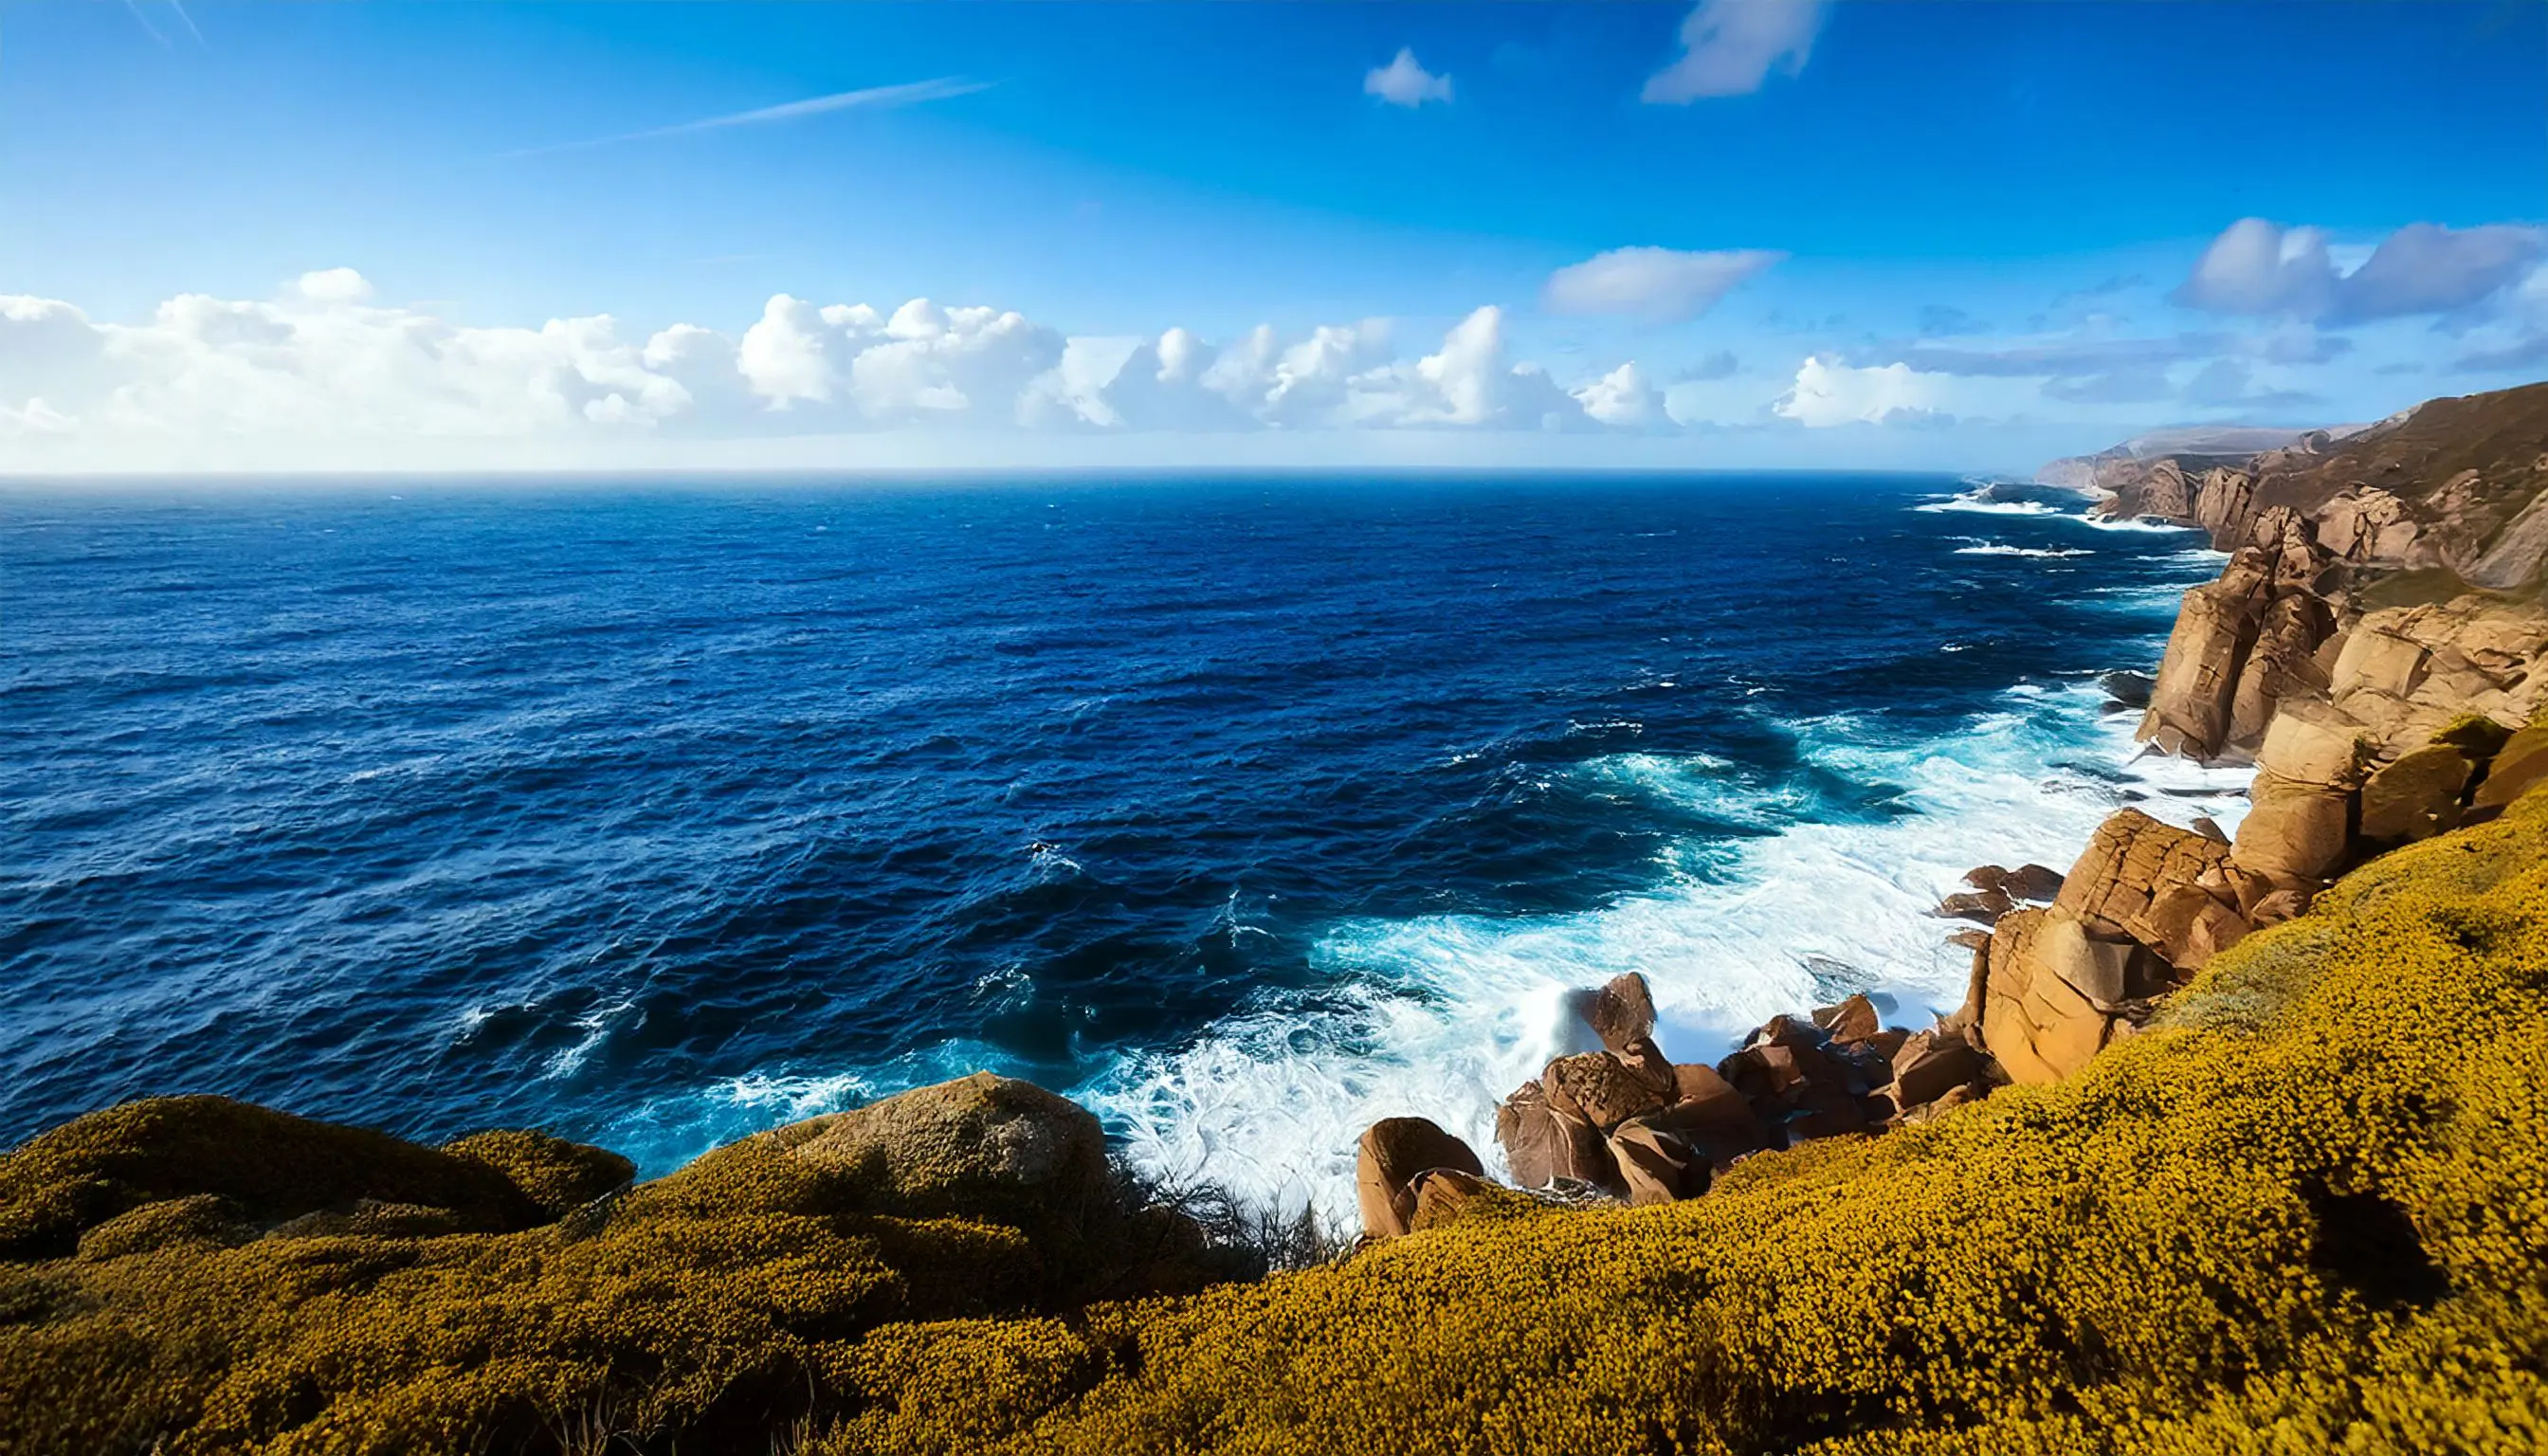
(2002,548)
(1955,504)
(1439,1017)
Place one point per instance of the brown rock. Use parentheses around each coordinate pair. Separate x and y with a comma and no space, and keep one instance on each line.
(2128,861)
(2279,906)
(2189,711)
(2417,796)
(2036,1024)
(2295,835)
(1983,907)
(1622,1011)
(1543,1144)
(2312,742)
(1655,1165)
(1929,1066)
(1713,1117)
(2187,926)
(1970,940)
(2279,667)
(1853,1020)
(1604,1090)
(2520,766)
(1393,1151)
(2373,661)
(1447,1195)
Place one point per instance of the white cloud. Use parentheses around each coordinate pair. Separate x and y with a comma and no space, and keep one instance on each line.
(1827,393)
(1730,47)
(323,372)
(2261,268)
(1623,398)
(1660,284)
(1404,82)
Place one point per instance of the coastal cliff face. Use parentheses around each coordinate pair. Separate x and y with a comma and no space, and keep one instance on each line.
(2235,1144)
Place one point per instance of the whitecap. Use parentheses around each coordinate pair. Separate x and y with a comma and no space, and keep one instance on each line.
(2002,548)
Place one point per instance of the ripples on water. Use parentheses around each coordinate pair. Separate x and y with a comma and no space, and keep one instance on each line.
(1248,810)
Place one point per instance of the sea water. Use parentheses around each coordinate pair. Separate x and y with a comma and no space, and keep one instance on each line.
(1245,810)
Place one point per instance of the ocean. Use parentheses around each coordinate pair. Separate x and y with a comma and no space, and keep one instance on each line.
(1245,810)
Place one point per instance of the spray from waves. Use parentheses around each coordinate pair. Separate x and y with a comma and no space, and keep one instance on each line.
(1439,1017)
(1954,504)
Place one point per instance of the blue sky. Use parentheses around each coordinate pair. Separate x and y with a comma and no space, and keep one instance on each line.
(1855,233)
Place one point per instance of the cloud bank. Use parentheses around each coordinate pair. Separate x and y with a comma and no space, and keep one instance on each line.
(322,364)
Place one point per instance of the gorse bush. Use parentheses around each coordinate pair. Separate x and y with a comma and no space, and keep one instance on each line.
(2306,1210)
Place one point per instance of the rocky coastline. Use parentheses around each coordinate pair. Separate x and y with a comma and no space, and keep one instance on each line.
(2366,649)
(2180,1123)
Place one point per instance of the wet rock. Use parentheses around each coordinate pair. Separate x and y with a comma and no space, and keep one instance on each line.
(1623,1012)
(1853,1020)
(1543,1144)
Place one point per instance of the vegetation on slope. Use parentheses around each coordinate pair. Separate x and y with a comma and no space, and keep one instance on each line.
(2306,1210)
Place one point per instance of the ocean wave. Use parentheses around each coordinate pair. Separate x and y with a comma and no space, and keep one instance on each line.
(1440,1016)
(2002,548)
(1988,507)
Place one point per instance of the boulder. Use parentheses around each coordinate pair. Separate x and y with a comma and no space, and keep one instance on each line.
(2373,661)
(2130,861)
(2128,689)
(2036,1024)
(1599,1088)
(2296,835)
(2187,926)
(2279,667)
(1445,1196)
(1654,1164)
(1853,1020)
(1543,1144)
(1983,907)
(976,1144)
(2520,766)
(1930,1065)
(1712,1116)
(2037,885)
(1622,1011)
(2417,796)
(1392,1153)
(2312,742)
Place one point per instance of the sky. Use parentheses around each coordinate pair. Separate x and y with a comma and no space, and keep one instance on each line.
(1739,233)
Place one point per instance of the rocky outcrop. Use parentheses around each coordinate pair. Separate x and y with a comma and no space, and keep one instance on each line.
(1392,1162)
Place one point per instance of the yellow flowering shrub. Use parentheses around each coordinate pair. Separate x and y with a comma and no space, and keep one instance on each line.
(2305,1210)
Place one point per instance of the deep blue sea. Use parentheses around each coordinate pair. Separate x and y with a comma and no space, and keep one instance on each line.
(1246,811)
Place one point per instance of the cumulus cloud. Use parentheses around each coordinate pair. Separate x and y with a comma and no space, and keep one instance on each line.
(1622,398)
(1730,47)
(1404,82)
(323,363)
(1828,393)
(2260,268)
(1658,284)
